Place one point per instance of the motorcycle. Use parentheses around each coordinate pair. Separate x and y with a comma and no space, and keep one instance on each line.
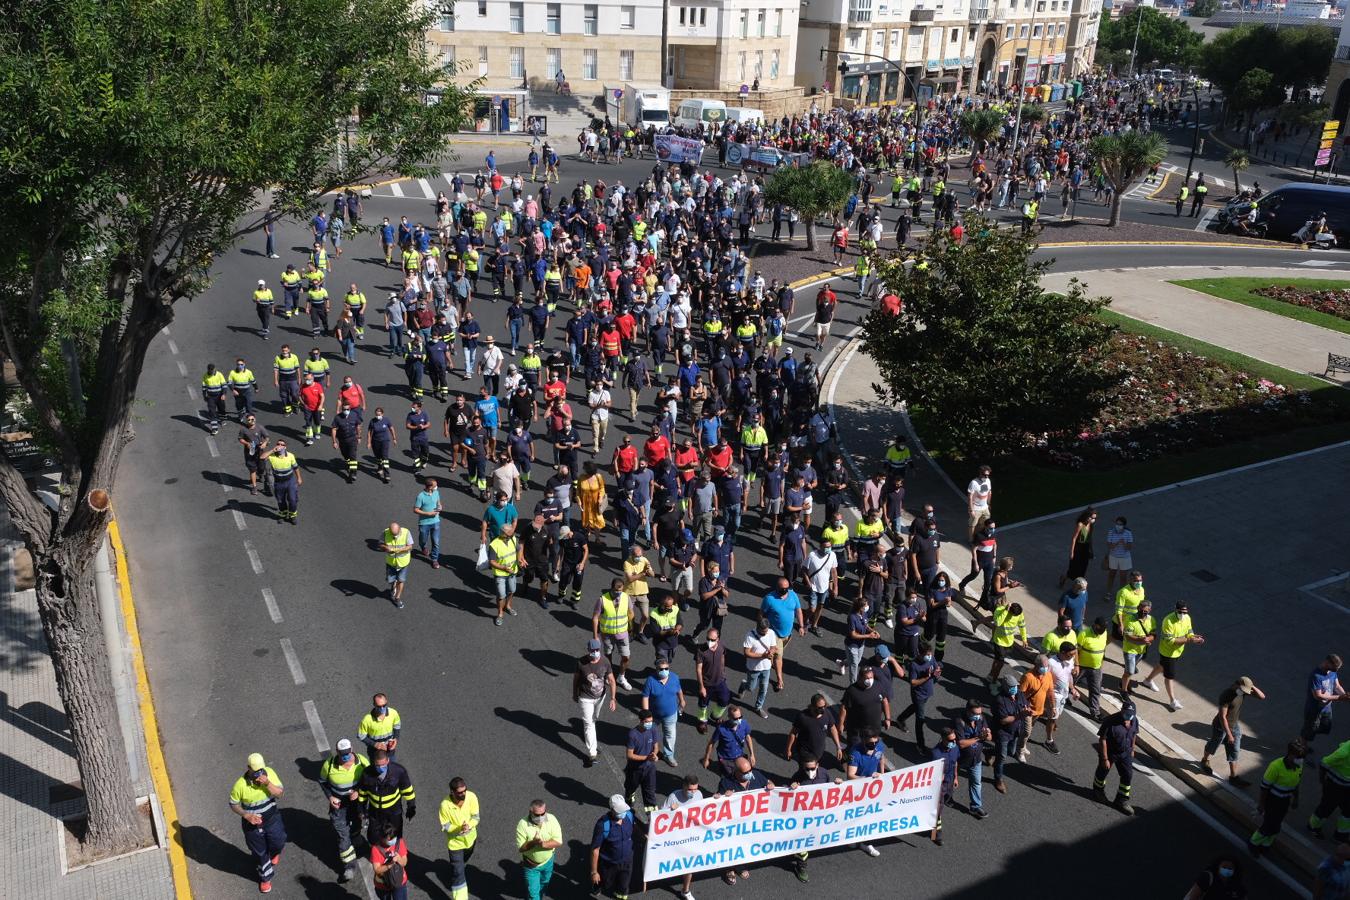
(1240,226)
(1316,235)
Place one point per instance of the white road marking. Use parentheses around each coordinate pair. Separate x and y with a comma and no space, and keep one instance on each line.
(1218,182)
(449,177)
(211,447)
(239,520)
(182,368)
(367,877)
(426,188)
(316,726)
(396,189)
(272,609)
(1317,262)
(192,395)
(224,485)
(173,348)
(1203,224)
(164,330)
(253,559)
(1325,581)
(293,661)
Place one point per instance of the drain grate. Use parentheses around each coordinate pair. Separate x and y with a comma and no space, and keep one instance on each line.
(1205,575)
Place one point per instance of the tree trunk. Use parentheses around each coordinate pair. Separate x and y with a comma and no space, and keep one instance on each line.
(1237,183)
(1115,210)
(810,222)
(73,625)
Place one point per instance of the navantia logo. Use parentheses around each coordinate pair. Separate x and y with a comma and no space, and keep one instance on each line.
(712,115)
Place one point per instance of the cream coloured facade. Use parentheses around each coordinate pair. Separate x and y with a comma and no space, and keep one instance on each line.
(721,46)
(942,47)
(512,44)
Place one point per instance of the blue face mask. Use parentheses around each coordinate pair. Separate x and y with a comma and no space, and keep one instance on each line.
(345,757)
(663,674)
(951,745)
(928,658)
(1227,871)
(1042,669)
(381,769)
(647,726)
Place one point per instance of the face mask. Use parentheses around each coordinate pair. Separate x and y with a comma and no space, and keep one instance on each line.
(712,645)
(239,367)
(663,674)
(345,757)
(744,778)
(647,726)
(721,538)
(378,711)
(595,654)
(379,416)
(868,682)
(928,658)
(1128,717)
(537,820)
(871,745)
(391,842)
(819,711)
(811,772)
(975,718)
(381,769)
(1042,670)
(1012,692)
(951,745)
(1227,871)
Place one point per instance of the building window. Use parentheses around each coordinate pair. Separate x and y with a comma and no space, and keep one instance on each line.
(745,23)
(773,66)
(589,65)
(778,23)
(743,54)
(956,35)
(517,62)
(683,13)
(627,15)
(554,61)
(1022,32)
(590,17)
(448,58)
(482,8)
(759,22)
(447,22)
(1061,28)
(517,18)
(878,39)
(482,61)
(702,16)
(625,63)
(895,39)
(1008,33)
(1036,31)
(554,20)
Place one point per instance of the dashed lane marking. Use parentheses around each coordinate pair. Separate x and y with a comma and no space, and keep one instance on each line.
(293,662)
(426,188)
(273,610)
(182,368)
(1203,224)
(397,189)
(211,447)
(239,520)
(173,348)
(316,726)
(253,559)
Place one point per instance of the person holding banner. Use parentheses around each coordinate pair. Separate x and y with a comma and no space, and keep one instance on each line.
(745,778)
(949,752)
(690,793)
(867,759)
(808,772)
(612,850)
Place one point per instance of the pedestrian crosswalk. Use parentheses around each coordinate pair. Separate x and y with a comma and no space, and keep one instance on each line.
(1146,186)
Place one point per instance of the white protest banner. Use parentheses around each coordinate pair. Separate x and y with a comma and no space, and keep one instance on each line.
(672,148)
(752,826)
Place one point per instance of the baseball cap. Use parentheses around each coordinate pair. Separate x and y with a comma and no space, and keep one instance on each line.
(593,644)
(1245,684)
(618,804)
(565,531)
(256,761)
(262,282)
(344,744)
(883,651)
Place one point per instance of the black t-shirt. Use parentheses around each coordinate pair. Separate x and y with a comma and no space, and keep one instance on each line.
(925,550)
(255,437)
(863,705)
(536,543)
(668,525)
(812,733)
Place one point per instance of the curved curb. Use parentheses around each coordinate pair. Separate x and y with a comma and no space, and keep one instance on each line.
(159,773)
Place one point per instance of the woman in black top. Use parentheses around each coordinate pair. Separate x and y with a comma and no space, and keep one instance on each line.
(1080,546)
(1221,880)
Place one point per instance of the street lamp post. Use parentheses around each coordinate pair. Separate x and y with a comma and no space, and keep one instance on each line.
(1195,142)
(1139,20)
(1021,88)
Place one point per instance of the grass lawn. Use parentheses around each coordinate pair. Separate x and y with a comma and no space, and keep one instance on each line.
(1027,490)
(1241,290)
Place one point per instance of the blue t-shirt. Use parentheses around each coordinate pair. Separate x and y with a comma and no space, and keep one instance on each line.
(496,517)
(642,742)
(868,762)
(1076,604)
(427,501)
(918,669)
(949,756)
(488,408)
(1319,681)
(663,697)
(614,839)
(781,611)
(731,735)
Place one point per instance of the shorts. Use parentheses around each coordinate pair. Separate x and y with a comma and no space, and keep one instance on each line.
(1132,663)
(774,506)
(782,645)
(774,341)
(808,504)
(612,642)
(1056,709)
(684,581)
(395,573)
(1169,666)
(253,463)
(1001,653)
(978,516)
(506,586)
(1120,563)
(818,600)
(643,604)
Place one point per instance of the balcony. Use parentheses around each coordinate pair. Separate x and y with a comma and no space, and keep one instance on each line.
(1343,51)
(922,15)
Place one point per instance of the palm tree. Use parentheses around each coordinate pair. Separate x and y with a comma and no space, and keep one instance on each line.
(1237,160)
(983,126)
(1123,158)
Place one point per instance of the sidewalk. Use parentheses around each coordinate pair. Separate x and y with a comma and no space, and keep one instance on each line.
(37,769)
(1271,601)
(1146,295)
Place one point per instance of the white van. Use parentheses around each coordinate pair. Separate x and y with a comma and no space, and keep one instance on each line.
(700,113)
(738,114)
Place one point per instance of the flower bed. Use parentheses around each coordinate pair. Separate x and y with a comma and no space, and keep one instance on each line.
(1170,400)
(1334,302)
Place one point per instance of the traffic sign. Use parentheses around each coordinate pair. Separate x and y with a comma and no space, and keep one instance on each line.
(496,99)
(745,89)
(618,93)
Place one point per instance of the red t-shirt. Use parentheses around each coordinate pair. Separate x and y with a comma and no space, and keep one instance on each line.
(311,396)
(719,459)
(892,304)
(626,326)
(354,396)
(686,457)
(656,449)
(625,458)
(378,857)
(555,390)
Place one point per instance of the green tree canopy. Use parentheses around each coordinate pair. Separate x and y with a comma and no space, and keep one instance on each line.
(1123,158)
(1295,57)
(811,190)
(983,125)
(142,139)
(1203,9)
(1163,41)
(983,357)
(1256,90)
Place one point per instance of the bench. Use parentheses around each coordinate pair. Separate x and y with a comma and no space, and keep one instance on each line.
(1336,363)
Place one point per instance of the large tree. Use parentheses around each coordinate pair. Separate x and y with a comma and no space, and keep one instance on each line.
(143,139)
(1163,40)
(984,126)
(812,191)
(1123,158)
(1295,57)
(984,359)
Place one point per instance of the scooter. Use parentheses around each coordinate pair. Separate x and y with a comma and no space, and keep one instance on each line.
(1315,235)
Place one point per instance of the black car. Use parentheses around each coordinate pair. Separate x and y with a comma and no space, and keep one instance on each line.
(1286,209)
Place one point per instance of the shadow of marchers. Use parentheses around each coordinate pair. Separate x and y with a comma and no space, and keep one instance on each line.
(208,849)
(550,662)
(539,727)
(350,587)
(38,720)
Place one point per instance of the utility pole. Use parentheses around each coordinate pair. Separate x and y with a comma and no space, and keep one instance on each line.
(1195,143)
(1139,20)
(665,42)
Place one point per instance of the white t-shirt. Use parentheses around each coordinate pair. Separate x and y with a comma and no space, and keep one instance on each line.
(980,489)
(682,796)
(760,643)
(1063,672)
(598,400)
(819,565)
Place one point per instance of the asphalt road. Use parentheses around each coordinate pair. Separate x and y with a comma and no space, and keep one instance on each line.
(263,637)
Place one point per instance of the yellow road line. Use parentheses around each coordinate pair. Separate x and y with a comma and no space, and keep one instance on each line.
(159,773)
(1162,187)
